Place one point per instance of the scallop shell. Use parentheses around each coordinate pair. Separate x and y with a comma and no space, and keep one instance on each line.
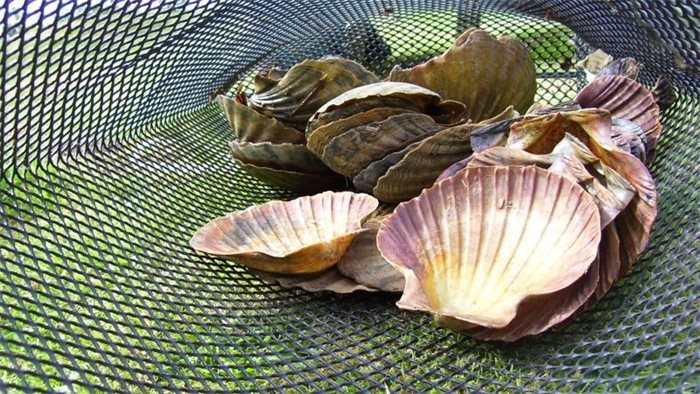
(625,99)
(626,66)
(305,88)
(404,95)
(302,236)
(250,126)
(629,137)
(320,137)
(485,73)
(298,182)
(594,128)
(330,280)
(420,167)
(350,152)
(477,245)
(289,157)
(367,179)
(363,263)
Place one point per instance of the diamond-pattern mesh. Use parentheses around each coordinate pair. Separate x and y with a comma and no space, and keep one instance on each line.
(112,156)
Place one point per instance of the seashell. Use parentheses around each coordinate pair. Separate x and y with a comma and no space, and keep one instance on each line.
(626,67)
(664,92)
(321,136)
(485,73)
(593,128)
(352,151)
(420,167)
(539,134)
(401,95)
(358,108)
(367,179)
(476,246)
(250,126)
(363,263)
(302,236)
(330,280)
(544,109)
(266,81)
(305,88)
(629,137)
(289,157)
(538,313)
(299,182)
(625,99)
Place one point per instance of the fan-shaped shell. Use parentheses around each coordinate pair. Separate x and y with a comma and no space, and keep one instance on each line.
(330,280)
(251,126)
(389,94)
(478,244)
(420,167)
(299,182)
(305,235)
(289,157)
(350,152)
(485,73)
(363,263)
(321,136)
(625,99)
(305,88)
(629,137)
(367,179)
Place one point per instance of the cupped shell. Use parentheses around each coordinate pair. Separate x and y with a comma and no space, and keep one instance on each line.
(477,244)
(363,262)
(251,126)
(627,99)
(321,136)
(388,94)
(302,236)
(285,156)
(484,73)
(420,167)
(352,151)
(298,182)
(305,88)
(330,280)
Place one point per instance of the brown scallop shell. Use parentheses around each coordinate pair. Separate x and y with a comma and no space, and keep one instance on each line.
(376,95)
(298,182)
(363,263)
(330,280)
(321,136)
(251,126)
(351,152)
(289,157)
(477,246)
(302,236)
(625,99)
(367,179)
(305,88)
(420,167)
(485,73)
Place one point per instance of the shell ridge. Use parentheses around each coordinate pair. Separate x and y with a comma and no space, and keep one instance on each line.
(255,227)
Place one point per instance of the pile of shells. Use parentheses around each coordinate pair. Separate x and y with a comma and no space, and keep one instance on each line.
(514,216)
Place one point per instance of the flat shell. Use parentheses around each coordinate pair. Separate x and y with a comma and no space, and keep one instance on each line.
(290,157)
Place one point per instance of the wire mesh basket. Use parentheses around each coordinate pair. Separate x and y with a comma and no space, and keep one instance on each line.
(112,155)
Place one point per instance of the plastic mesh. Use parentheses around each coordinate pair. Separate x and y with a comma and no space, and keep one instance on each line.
(112,156)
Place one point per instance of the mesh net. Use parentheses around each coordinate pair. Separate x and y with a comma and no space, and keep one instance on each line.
(112,156)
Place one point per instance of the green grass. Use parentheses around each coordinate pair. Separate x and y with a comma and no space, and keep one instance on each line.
(79,295)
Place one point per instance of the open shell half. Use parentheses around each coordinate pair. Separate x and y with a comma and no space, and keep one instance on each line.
(478,244)
(305,235)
